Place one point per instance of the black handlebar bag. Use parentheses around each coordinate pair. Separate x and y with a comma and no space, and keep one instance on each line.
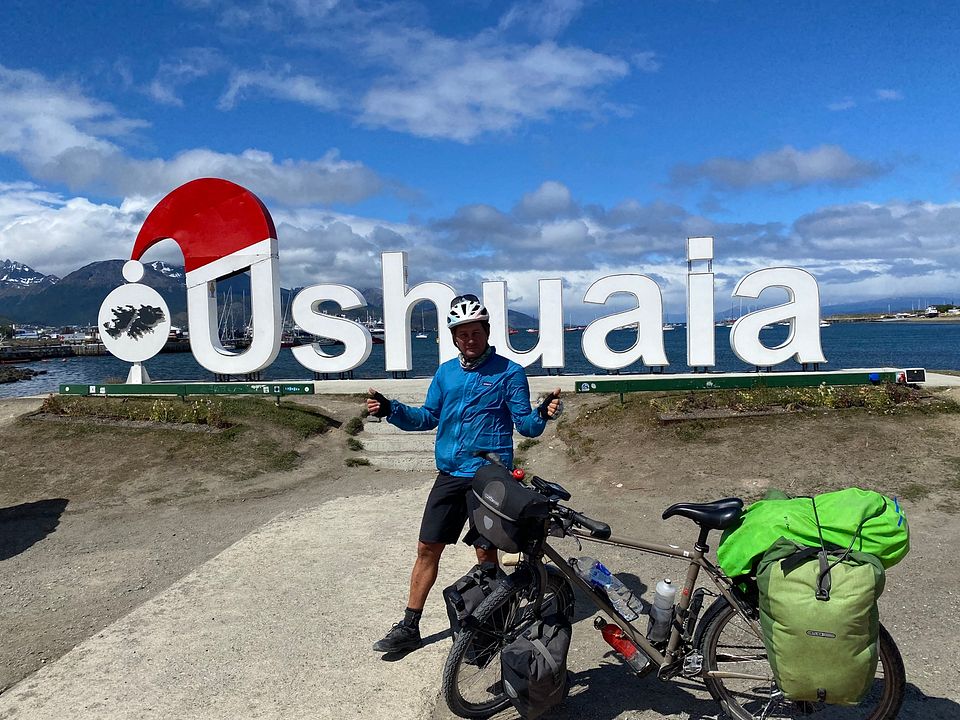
(506,512)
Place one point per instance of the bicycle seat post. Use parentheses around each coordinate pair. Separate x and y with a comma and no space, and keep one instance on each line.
(701,544)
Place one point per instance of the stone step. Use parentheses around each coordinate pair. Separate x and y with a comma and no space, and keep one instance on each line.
(418,442)
(401,460)
(385,428)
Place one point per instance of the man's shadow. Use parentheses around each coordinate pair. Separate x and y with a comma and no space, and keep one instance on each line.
(28,523)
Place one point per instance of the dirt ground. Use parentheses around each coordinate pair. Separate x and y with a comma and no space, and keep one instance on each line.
(91,527)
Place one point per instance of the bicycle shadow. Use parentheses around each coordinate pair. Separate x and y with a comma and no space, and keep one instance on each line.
(24,525)
(917,705)
(609,690)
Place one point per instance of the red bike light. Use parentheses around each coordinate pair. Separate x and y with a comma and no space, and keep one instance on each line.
(518,473)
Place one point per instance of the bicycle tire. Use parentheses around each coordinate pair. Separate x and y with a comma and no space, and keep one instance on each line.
(471,682)
(727,636)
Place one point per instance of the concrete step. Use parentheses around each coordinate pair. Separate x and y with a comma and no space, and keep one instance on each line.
(385,428)
(407,443)
(402,460)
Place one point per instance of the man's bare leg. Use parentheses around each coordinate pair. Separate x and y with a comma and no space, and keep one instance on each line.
(405,635)
(424,573)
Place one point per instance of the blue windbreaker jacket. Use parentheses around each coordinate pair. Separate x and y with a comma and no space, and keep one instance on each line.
(473,410)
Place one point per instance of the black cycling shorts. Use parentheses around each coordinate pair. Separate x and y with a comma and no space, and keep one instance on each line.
(447,511)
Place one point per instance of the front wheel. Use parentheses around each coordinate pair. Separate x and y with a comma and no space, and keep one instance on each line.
(730,644)
(472,686)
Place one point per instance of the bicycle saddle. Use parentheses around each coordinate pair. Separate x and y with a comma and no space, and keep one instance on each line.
(716,515)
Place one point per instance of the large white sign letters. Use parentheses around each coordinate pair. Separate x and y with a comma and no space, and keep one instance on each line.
(223,229)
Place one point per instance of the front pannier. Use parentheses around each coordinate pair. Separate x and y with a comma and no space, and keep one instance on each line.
(534,666)
(507,513)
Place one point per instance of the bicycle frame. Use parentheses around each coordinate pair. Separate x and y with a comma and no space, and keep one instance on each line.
(669,659)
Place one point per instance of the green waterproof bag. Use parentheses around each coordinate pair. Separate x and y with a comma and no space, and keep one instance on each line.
(818,611)
(876,522)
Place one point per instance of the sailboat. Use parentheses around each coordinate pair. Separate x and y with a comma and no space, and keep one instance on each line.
(422,335)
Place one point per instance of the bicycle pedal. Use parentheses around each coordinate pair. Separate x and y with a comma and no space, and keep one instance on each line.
(692,665)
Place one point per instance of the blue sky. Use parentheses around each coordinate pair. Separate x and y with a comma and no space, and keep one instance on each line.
(498,140)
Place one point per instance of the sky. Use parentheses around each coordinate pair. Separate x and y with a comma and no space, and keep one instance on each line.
(499,140)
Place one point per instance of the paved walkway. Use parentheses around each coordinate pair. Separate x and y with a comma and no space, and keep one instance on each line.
(277,626)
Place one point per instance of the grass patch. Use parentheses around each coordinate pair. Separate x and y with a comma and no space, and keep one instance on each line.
(356,462)
(691,431)
(354,444)
(113,460)
(526,444)
(200,411)
(353,426)
(883,397)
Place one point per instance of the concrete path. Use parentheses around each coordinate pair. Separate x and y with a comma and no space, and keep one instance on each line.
(279,625)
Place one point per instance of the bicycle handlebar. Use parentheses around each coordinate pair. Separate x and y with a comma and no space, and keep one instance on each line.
(599,530)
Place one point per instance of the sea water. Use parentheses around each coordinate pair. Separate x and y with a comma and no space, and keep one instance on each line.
(930,345)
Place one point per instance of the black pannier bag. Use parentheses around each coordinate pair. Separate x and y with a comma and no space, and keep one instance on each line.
(466,594)
(534,666)
(507,513)
(463,598)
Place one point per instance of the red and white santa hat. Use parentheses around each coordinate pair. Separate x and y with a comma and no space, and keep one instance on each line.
(221,228)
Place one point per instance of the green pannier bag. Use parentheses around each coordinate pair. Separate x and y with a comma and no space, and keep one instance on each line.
(818,611)
(877,522)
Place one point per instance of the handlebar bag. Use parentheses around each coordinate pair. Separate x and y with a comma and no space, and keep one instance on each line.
(510,515)
(822,646)
(534,666)
(464,597)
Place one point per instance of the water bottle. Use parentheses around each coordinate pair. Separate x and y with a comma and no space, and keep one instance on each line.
(625,647)
(661,612)
(594,573)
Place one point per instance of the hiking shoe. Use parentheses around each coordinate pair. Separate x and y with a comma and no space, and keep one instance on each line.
(401,637)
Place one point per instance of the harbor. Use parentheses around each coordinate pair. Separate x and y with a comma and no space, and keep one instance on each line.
(934,345)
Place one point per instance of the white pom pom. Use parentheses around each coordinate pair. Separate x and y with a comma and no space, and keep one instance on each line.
(133,271)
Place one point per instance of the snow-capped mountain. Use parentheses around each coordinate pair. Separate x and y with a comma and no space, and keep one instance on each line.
(18,275)
(171,271)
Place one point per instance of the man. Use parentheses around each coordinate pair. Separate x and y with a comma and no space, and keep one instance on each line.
(474,401)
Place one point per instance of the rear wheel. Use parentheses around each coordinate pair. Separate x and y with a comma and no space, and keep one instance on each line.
(732,645)
(472,684)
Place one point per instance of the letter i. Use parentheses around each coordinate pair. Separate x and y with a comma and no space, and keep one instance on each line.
(700,327)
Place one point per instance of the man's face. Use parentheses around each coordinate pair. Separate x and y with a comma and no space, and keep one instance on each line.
(471,339)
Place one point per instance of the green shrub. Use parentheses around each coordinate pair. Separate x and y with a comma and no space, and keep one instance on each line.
(353,426)
(354,444)
(526,444)
(201,411)
(356,462)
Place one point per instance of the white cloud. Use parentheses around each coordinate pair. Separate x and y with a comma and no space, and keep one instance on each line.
(646,61)
(846,103)
(858,251)
(460,90)
(887,95)
(544,18)
(281,86)
(57,235)
(826,164)
(550,200)
(60,135)
(189,65)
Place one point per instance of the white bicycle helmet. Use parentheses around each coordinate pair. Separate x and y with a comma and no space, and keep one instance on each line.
(466,309)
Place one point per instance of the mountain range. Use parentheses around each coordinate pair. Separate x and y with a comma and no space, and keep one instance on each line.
(30,297)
